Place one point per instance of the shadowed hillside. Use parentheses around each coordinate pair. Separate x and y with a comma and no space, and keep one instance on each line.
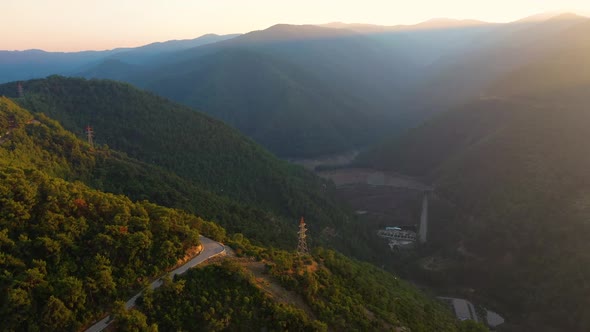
(516,167)
(290,88)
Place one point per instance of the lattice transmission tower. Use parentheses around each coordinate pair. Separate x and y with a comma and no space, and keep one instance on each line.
(19,90)
(90,135)
(302,245)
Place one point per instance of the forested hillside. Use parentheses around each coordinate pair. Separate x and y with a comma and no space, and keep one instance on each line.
(338,294)
(41,143)
(515,166)
(69,252)
(198,150)
(205,295)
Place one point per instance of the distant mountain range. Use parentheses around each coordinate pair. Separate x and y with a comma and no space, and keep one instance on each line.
(300,91)
(306,91)
(283,87)
(23,65)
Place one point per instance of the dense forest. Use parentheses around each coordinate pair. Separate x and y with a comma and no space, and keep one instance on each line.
(350,295)
(68,251)
(71,253)
(217,298)
(41,143)
(156,131)
(342,294)
(196,152)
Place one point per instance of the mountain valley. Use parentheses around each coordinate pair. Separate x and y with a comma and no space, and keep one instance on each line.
(358,177)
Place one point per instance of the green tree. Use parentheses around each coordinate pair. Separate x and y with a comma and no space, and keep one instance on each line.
(131,320)
(56,316)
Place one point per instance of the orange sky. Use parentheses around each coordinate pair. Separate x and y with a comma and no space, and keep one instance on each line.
(69,25)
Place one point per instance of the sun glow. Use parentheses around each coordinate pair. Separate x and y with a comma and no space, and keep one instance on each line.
(68,25)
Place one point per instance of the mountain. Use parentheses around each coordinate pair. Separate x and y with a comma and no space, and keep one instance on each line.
(71,253)
(68,251)
(24,65)
(153,51)
(288,87)
(357,27)
(432,24)
(514,167)
(443,23)
(424,43)
(327,298)
(113,68)
(297,89)
(466,72)
(307,91)
(549,16)
(560,76)
(287,32)
(196,149)
(286,109)
(58,153)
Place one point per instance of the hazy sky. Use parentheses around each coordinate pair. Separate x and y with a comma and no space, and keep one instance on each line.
(66,25)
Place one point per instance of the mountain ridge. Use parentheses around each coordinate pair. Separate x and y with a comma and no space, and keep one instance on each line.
(434,23)
(29,64)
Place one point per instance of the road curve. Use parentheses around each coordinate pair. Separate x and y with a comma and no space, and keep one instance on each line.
(210,249)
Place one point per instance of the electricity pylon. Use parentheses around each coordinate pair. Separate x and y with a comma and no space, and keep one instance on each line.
(302,245)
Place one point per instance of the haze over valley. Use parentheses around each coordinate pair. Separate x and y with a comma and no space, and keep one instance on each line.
(428,176)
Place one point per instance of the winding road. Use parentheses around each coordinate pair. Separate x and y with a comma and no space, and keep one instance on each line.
(210,249)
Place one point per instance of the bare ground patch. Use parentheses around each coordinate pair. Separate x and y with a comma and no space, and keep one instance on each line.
(273,288)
